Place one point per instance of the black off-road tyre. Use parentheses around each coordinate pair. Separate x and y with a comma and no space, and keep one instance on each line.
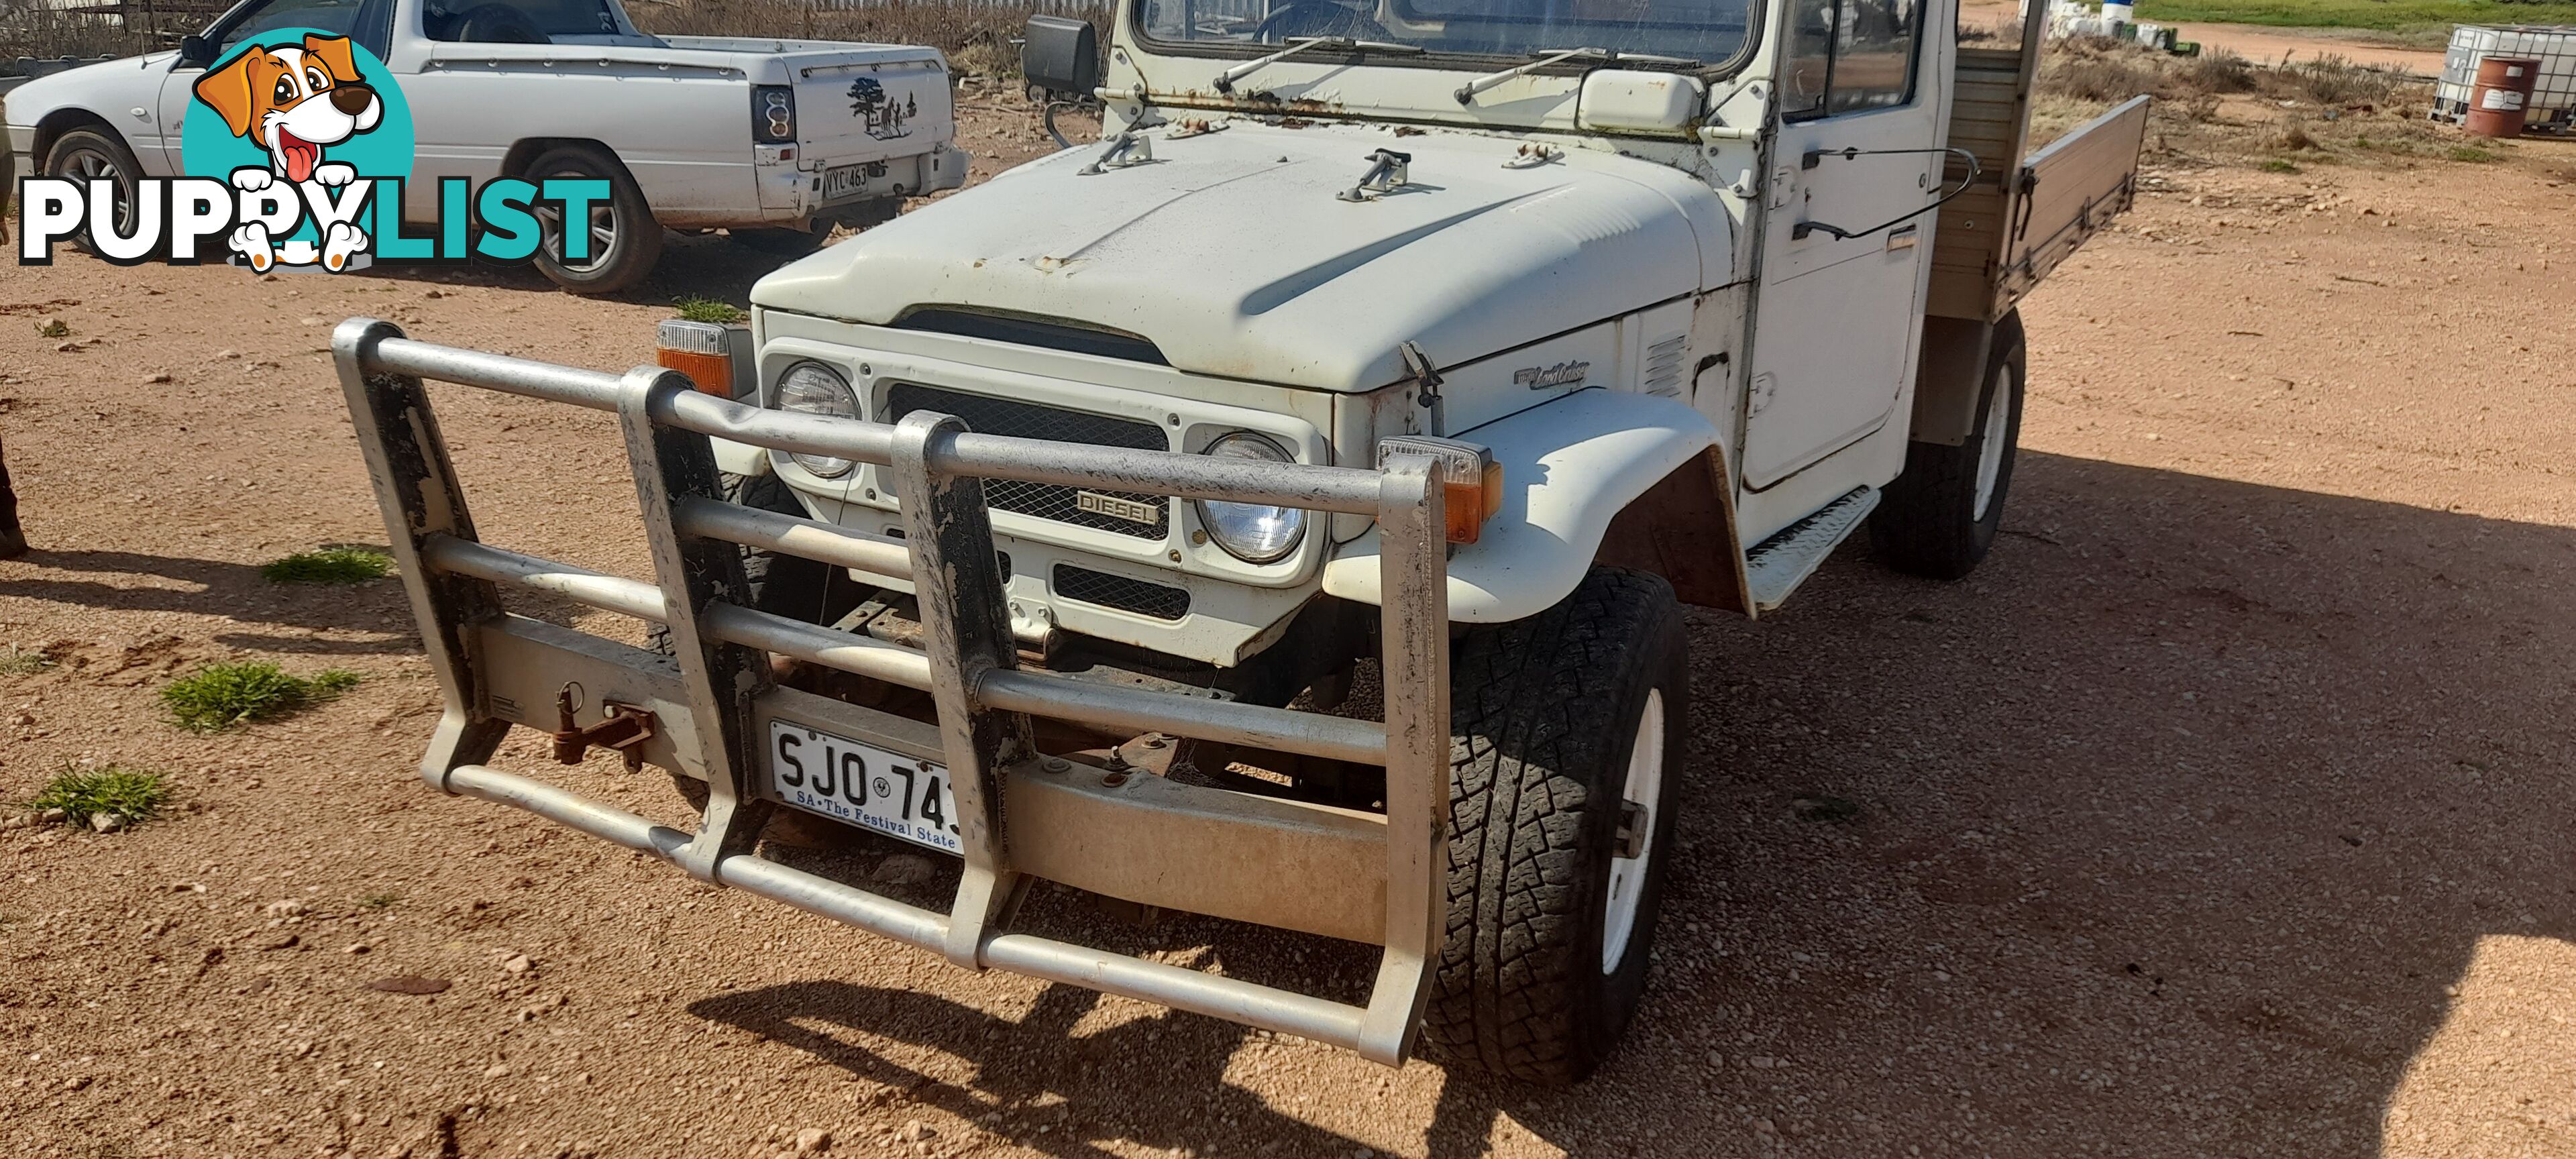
(634,243)
(93,152)
(1544,714)
(1928,522)
(782,585)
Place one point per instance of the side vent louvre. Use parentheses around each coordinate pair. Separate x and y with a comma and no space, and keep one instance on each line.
(1664,366)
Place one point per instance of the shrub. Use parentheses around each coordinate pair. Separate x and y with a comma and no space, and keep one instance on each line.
(331,565)
(2471,154)
(132,794)
(2331,81)
(219,696)
(696,309)
(2277,165)
(17,663)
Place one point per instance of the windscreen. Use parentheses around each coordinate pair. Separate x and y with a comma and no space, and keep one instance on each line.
(1708,32)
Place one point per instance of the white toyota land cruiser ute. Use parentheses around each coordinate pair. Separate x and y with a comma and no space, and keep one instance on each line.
(1287,503)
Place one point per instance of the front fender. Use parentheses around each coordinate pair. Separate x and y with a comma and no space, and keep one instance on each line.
(1569,468)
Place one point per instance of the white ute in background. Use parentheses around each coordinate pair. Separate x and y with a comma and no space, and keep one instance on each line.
(775,140)
(1442,349)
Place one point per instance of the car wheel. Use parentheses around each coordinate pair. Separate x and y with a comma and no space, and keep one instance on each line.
(95,154)
(1566,745)
(625,241)
(1939,518)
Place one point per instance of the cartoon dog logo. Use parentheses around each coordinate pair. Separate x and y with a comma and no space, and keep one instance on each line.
(294,103)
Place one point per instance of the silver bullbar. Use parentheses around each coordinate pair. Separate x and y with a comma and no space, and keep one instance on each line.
(1022,815)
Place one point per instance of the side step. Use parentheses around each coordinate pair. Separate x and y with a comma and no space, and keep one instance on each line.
(1776,566)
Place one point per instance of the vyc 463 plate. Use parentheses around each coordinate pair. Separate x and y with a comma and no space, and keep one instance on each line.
(842,181)
(862,784)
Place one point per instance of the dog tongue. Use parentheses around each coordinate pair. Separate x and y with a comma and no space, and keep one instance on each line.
(301,156)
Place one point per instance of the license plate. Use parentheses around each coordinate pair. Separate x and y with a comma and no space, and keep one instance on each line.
(862,784)
(842,181)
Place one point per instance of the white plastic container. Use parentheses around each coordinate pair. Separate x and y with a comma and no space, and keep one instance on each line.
(2553,97)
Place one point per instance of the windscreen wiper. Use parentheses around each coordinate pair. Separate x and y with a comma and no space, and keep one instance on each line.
(1225,80)
(1545,57)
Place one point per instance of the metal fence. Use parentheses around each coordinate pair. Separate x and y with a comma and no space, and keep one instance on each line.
(1143,838)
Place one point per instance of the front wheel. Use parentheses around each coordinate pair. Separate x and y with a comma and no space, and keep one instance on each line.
(86,155)
(1566,744)
(624,240)
(1939,518)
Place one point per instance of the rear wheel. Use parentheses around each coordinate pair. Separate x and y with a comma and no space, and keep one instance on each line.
(87,155)
(1939,518)
(624,239)
(1566,741)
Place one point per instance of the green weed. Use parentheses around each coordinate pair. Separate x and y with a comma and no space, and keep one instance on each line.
(378,901)
(17,663)
(219,696)
(132,794)
(53,328)
(696,309)
(331,565)
(2277,165)
(2471,154)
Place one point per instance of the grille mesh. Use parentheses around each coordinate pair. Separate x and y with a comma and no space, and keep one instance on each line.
(1002,416)
(1120,592)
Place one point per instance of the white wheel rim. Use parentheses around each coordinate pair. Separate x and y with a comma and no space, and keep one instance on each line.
(1990,456)
(1644,786)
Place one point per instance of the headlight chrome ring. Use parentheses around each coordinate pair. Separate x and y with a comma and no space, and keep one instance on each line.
(815,389)
(1252,532)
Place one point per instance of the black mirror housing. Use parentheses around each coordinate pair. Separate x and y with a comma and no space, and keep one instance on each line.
(196,51)
(1061,56)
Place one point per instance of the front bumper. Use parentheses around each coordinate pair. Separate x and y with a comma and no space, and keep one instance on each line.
(1022,814)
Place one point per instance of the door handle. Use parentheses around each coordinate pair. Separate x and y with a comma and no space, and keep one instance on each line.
(1902,237)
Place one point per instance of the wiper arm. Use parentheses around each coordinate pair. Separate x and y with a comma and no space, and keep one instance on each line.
(1225,80)
(1544,58)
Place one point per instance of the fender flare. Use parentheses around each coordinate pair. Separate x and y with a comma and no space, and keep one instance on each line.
(1572,468)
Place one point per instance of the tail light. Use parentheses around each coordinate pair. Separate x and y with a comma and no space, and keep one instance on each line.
(773,114)
(1472,482)
(701,350)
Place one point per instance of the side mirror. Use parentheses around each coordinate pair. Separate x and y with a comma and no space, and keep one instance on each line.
(196,52)
(1061,56)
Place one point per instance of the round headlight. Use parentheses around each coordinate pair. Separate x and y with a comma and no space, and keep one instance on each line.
(1252,532)
(812,388)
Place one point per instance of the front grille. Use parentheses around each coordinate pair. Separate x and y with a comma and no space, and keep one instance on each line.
(1001,416)
(1120,592)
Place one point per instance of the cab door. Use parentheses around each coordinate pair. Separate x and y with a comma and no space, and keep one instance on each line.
(1836,318)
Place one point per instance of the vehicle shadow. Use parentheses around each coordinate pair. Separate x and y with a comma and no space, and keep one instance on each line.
(277,618)
(692,265)
(2167,833)
(232,590)
(1037,1084)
